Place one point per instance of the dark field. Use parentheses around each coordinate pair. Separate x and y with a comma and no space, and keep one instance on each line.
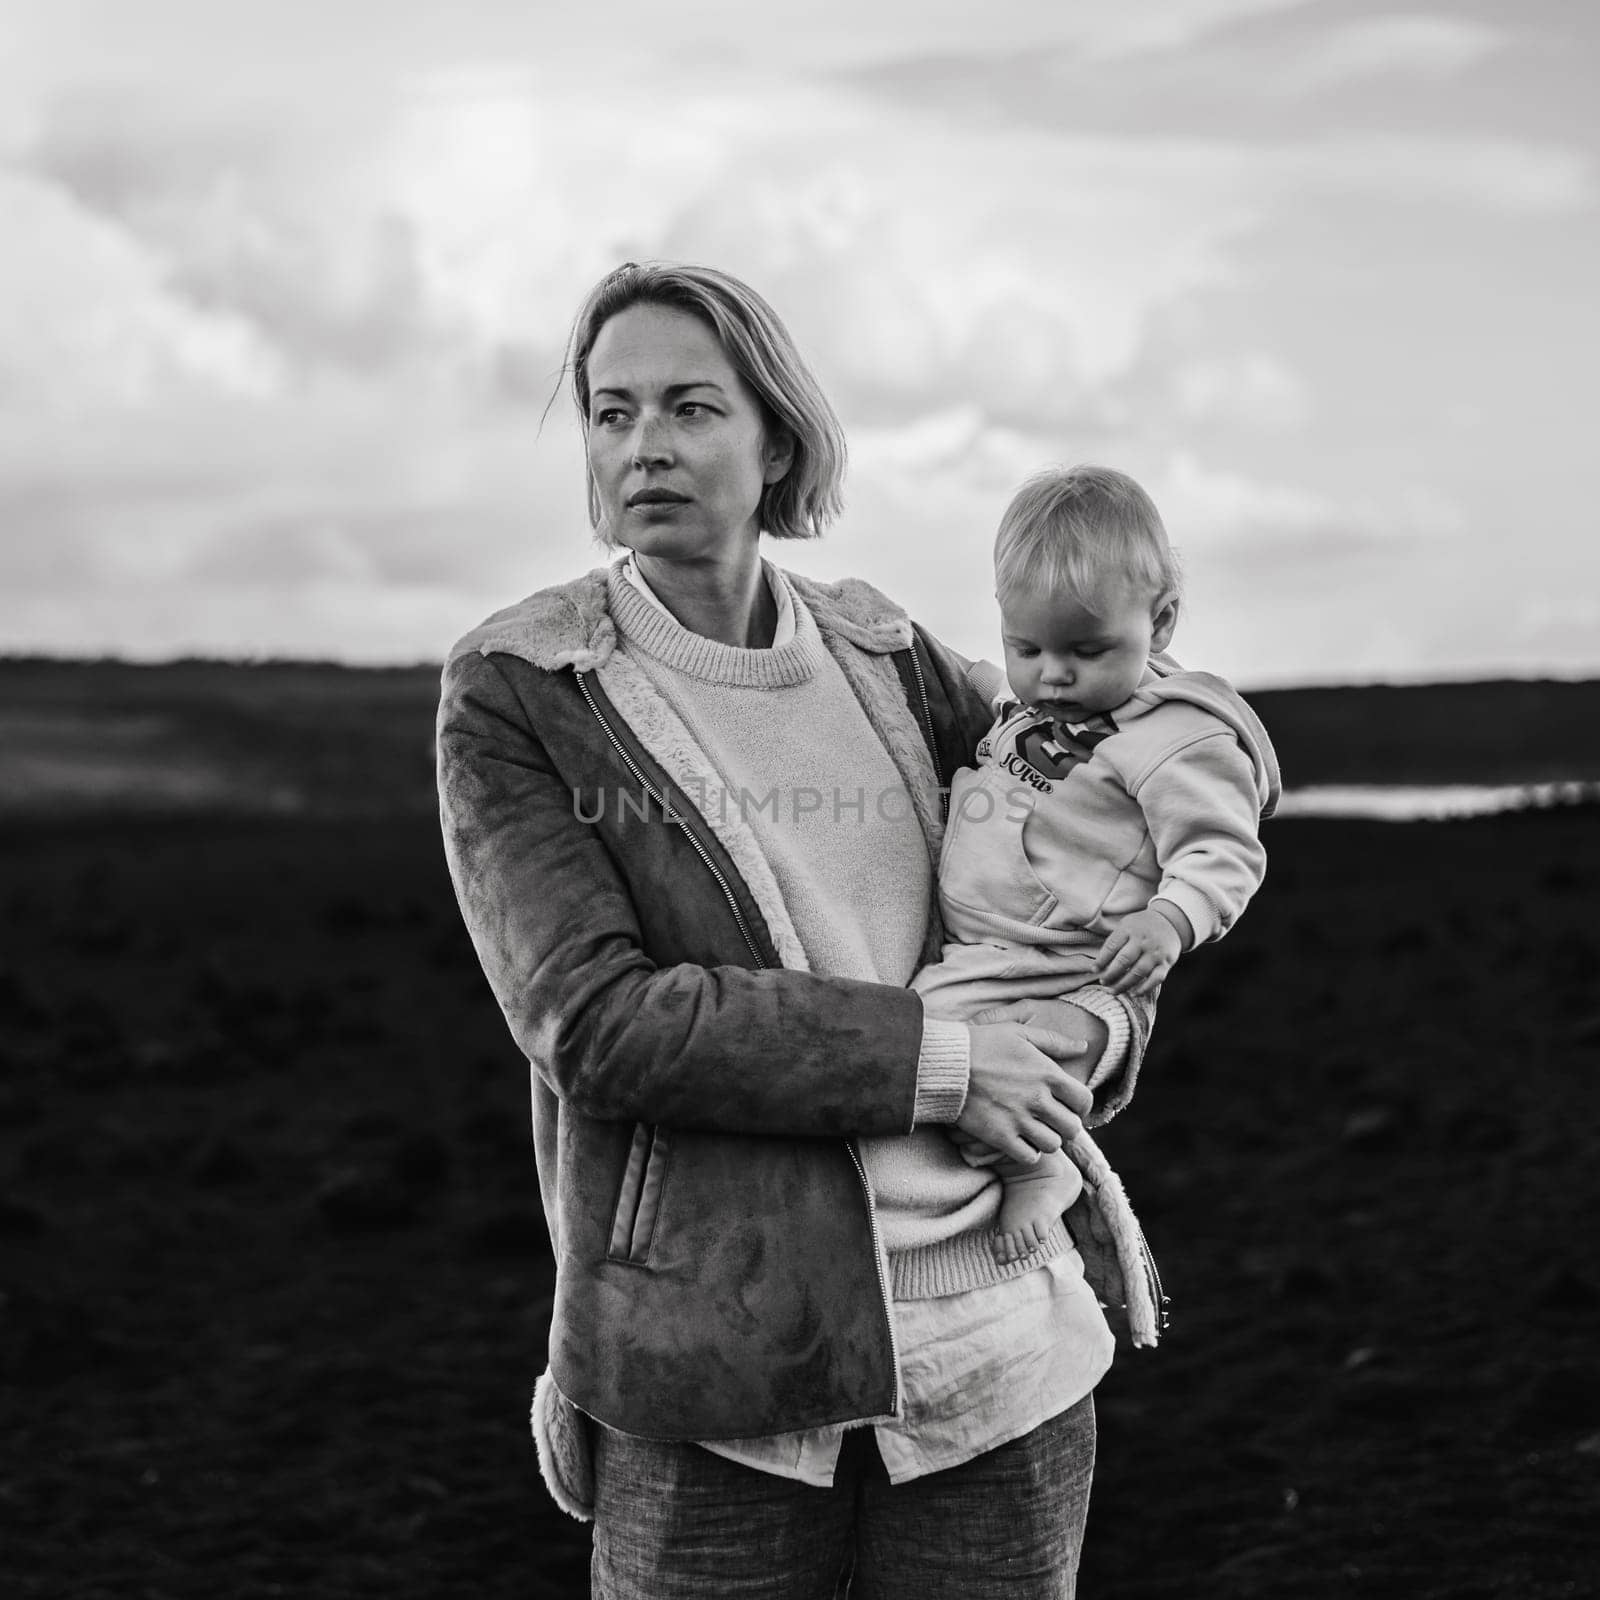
(298,739)
(276,1286)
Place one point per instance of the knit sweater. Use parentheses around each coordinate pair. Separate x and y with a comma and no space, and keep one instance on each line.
(829,809)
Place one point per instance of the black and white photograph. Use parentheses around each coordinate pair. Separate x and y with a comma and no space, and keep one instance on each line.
(799,801)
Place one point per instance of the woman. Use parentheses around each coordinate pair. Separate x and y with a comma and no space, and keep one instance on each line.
(691,808)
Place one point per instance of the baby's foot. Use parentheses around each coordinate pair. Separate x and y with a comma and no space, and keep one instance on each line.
(1013,1244)
(1031,1204)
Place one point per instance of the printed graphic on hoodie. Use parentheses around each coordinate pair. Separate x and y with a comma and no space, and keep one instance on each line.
(1042,749)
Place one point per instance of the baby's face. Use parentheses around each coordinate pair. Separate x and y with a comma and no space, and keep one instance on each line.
(1074,662)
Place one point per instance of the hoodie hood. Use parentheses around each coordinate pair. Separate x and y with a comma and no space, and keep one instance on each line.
(1222,700)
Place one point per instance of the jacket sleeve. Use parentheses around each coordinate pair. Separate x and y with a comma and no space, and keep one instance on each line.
(616,1036)
(1203,810)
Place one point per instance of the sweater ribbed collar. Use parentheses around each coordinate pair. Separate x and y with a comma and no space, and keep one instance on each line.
(658,633)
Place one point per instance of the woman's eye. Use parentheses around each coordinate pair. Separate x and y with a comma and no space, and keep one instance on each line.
(606,418)
(692,408)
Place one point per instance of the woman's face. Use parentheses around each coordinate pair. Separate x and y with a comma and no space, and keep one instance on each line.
(676,439)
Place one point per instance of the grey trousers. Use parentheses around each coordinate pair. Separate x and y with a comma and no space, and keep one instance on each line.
(673,1521)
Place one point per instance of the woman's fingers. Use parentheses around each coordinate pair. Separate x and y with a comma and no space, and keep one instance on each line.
(1043,1138)
(1035,1138)
(1013,1147)
(1064,1101)
(1020,1100)
(1065,1089)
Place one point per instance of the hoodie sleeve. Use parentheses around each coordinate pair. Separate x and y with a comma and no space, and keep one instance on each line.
(1202,807)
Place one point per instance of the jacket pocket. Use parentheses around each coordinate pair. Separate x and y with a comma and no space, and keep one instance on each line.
(634,1223)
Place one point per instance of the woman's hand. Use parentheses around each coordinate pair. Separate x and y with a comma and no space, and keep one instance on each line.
(1081,1034)
(1020,1100)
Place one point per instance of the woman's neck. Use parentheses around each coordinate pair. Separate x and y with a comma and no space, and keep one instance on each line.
(727,600)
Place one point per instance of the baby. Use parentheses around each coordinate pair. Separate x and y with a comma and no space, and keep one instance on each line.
(1110,824)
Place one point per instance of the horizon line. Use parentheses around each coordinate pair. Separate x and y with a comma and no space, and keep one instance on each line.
(328,663)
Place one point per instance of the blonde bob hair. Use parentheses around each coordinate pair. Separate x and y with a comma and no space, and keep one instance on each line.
(759,348)
(1090,532)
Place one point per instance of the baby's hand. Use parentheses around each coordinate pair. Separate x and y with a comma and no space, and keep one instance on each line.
(1138,953)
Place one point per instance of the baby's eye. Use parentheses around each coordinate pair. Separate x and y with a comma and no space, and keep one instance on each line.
(1025,651)
(1087,654)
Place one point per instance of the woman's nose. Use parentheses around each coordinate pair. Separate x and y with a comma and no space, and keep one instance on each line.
(650,443)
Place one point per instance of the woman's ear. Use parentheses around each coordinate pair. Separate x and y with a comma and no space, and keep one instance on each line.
(1163,622)
(777,453)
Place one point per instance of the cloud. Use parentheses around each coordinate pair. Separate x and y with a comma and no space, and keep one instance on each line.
(282,237)
(88,314)
(963,467)
(1413,46)
(254,42)
(445,240)
(331,533)
(1254,390)
(1513,177)
(1283,102)
(1205,505)
(273,348)
(932,264)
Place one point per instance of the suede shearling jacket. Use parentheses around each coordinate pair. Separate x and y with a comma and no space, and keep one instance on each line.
(696,1090)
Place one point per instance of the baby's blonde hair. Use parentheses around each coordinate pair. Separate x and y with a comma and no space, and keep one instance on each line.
(1089,530)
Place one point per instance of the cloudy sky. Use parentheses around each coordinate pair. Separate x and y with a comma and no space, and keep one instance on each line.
(284,288)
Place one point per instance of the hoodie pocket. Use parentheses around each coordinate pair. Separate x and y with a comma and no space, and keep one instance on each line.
(984,868)
(639,1203)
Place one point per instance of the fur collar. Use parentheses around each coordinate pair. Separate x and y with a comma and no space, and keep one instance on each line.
(570,626)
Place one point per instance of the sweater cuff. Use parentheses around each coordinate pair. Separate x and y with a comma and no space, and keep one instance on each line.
(943,1065)
(1119,1032)
(1195,906)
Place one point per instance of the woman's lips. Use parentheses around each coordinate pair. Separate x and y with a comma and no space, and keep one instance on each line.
(656,497)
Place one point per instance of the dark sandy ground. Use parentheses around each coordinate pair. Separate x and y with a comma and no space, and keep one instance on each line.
(275,1288)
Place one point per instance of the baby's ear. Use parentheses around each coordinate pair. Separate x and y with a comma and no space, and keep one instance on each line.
(1163,622)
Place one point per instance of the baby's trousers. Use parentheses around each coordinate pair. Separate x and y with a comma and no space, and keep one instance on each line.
(674,1522)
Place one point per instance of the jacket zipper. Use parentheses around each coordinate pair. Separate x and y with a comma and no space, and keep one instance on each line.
(667,811)
(877,1267)
(1161,1301)
(927,710)
(762,962)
